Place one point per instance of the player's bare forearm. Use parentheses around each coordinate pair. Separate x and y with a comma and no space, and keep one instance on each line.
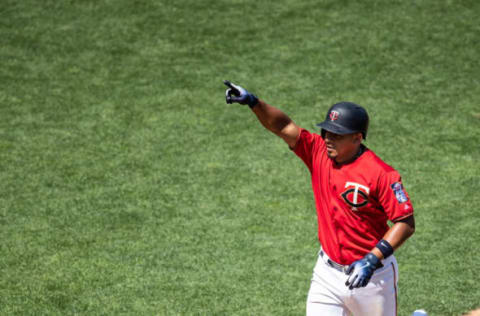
(271,118)
(397,234)
(277,122)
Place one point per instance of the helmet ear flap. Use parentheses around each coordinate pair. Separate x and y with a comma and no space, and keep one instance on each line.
(323,133)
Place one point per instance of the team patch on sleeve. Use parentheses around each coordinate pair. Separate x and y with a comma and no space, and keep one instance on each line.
(400,194)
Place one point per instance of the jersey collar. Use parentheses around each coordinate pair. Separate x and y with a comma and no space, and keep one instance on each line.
(360,152)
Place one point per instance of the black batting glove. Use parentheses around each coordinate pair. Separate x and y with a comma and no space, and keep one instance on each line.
(360,272)
(236,94)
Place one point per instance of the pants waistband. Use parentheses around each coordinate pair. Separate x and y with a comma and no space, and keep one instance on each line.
(333,264)
(343,268)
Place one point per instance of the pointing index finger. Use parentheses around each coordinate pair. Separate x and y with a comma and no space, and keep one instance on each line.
(228,84)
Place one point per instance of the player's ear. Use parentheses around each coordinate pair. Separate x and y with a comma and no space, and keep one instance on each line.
(357,138)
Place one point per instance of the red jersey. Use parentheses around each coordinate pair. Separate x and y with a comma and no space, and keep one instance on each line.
(354,201)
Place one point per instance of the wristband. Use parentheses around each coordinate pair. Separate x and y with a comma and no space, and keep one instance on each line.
(385,248)
(252,100)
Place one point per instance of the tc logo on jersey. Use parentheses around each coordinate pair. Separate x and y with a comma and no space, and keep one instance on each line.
(333,115)
(397,188)
(356,196)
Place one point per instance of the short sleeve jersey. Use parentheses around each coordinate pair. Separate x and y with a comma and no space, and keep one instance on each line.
(354,201)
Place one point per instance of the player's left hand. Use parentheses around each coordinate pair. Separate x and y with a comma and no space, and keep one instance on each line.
(360,272)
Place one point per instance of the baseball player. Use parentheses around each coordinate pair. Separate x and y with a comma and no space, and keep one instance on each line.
(356,194)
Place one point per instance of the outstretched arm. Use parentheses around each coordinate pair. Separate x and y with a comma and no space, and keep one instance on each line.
(271,118)
(277,122)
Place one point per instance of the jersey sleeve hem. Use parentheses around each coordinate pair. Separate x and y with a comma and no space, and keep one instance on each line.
(296,141)
(401,217)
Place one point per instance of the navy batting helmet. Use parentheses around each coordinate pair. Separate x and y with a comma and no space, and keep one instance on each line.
(345,118)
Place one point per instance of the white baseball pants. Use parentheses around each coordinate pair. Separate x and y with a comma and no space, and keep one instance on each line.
(328,295)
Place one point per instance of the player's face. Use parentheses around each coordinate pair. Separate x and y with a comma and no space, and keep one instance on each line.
(342,147)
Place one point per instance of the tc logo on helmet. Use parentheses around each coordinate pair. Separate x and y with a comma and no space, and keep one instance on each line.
(356,196)
(333,115)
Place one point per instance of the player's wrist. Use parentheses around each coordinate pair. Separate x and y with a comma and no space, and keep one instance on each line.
(373,260)
(252,100)
(385,248)
(377,253)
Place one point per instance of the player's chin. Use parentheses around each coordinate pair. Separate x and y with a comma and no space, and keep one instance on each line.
(332,153)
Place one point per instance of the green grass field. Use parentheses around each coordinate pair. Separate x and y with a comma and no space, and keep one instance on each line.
(129,187)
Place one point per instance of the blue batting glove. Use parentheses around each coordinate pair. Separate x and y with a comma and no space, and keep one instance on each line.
(360,272)
(236,94)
